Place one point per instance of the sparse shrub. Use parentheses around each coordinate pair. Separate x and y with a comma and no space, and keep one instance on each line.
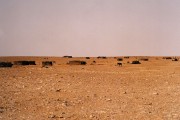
(119,64)
(175,59)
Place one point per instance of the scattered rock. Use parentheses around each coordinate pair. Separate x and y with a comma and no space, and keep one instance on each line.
(155,93)
(52,116)
(135,62)
(58,90)
(91,116)
(2,109)
(63,113)
(65,103)
(150,104)
(108,99)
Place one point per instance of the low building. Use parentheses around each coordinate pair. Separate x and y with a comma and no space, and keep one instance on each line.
(77,62)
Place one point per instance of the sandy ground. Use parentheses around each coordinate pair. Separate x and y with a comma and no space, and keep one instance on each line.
(102,91)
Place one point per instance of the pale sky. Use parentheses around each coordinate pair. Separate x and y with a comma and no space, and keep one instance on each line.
(89,27)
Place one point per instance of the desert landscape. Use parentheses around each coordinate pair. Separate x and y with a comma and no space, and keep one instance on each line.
(90,88)
(89,60)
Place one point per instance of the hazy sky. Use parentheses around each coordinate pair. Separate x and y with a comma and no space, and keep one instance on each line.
(89,27)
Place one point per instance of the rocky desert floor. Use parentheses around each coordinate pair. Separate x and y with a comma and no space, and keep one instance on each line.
(98,91)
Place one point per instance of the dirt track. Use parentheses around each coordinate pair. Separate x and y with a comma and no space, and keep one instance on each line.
(102,91)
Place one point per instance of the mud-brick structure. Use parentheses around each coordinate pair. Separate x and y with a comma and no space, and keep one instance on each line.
(119,59)
(77,62)
(24,63)
(127,57)
(67,56)
(6,64)
(47,63)
(102,57)
(135,62)
(144,59)
(167,58)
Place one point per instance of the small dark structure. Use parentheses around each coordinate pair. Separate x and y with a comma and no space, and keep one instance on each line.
(6,64)
(47,63)
(167,58)
(120,59)
(119,64)
(144,59)
(102,57)
(67,56)
(24,63)
(135,62)
(127,57)
(87,57)
(77,62)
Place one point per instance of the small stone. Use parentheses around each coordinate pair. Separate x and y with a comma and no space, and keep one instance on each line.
(65,103)
(91,116)
(52,116)
(58,90)
(155,93)
(150,104)
(63,113)
(109,100)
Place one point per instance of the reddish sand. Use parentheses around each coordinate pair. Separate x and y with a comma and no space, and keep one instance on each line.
(96,91)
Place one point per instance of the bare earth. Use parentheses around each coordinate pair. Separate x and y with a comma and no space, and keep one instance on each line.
(101,91)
